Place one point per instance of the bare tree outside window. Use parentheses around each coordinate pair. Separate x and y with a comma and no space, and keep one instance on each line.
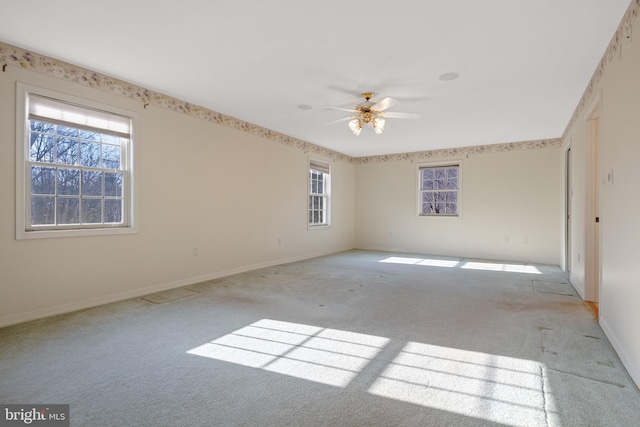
(75,175)
(439,188)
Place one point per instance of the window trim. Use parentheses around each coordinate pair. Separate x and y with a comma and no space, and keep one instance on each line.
(327,194)
(23,230)
(438,164)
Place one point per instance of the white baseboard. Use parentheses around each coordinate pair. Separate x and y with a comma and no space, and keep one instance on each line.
(628,363)
(578,289)
(380,249)
(135,293)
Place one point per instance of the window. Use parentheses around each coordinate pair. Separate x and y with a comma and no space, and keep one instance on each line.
(319,189)
(76,166)
(439,190)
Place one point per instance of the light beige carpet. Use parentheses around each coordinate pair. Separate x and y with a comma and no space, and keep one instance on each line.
(359,338)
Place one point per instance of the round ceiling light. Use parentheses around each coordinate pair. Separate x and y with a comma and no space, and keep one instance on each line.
(304,107)
(449,76)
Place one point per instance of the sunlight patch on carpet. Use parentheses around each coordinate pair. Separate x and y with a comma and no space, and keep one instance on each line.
(486,386)
(500,266)
(464,264)
(430,262)
(323,355)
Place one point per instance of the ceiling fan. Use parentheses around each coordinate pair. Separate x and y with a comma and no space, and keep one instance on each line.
(372,113)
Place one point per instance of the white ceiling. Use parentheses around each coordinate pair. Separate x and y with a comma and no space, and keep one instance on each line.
(523,65)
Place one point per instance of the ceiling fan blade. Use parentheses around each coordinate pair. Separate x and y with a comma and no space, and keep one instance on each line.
(339,120)
(384,104)
(396,115)
(341,109)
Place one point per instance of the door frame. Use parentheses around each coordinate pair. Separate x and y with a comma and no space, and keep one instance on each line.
(592,217)
(568,196)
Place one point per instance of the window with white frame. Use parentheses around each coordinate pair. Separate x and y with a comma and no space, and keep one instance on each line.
(439,190)
(76,165)
(319,190)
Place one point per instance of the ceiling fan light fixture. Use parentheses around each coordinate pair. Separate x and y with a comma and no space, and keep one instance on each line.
(356,126)
(372,114)
(378,125)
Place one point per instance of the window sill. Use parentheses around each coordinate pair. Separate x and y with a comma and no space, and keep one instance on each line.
(318,227)
(48,234)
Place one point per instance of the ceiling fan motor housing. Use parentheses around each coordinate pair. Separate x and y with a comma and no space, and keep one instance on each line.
(365,106)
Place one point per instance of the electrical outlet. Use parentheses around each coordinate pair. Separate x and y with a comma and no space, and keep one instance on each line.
(196,251)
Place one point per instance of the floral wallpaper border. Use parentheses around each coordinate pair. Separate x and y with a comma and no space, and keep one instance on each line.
(461,151)
(611,54)
(11,55)
(15,56)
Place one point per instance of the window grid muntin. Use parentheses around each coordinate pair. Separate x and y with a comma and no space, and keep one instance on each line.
(440,188)
(105,138)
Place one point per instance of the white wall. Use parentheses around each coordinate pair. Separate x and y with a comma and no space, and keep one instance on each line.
(507,197)
(229,193)
(619,92)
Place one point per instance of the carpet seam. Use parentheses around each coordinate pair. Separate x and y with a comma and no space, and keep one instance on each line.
(544,398)
(587,378)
